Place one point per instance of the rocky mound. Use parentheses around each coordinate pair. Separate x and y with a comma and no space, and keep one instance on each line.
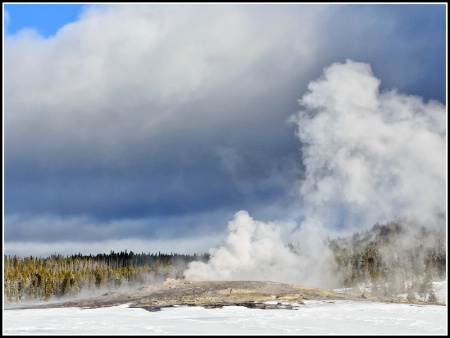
(254,294)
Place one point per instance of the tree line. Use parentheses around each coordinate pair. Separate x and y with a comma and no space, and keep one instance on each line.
(391,259)
(388,258)
(36,278)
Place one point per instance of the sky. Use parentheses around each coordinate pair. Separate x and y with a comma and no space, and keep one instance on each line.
(150,127)
(47,19)
(313,317)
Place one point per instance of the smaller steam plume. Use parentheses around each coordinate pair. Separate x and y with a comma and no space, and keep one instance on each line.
(254,250)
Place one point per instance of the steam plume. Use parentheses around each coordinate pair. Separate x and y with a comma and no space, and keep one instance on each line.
(369,157)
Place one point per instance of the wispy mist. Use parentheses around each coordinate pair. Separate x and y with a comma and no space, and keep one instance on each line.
(369,157)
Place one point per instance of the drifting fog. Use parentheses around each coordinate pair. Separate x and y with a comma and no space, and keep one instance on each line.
(369,157)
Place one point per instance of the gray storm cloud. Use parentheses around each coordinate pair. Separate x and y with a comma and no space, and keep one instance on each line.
(369,157)
(159,121)
(128,97)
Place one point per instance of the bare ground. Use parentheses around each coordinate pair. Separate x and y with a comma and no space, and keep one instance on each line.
(211,294)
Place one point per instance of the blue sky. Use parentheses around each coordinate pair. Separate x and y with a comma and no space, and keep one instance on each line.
(47,19)
(149,126)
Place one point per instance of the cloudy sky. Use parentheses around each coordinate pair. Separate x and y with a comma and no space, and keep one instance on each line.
(149,127)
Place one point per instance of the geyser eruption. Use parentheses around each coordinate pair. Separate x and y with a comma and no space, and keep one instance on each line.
(254,250)
(369,157)
(251,248)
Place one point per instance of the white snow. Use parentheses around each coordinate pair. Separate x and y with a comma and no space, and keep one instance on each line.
(314,317)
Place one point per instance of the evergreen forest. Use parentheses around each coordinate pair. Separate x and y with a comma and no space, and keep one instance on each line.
(388,259)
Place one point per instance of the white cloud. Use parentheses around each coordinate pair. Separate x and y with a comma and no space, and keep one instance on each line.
(122,74)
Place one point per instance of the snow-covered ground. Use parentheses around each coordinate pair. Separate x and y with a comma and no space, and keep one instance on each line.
(314,317)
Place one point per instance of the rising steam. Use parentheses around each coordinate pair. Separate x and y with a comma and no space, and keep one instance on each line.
(369,157)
